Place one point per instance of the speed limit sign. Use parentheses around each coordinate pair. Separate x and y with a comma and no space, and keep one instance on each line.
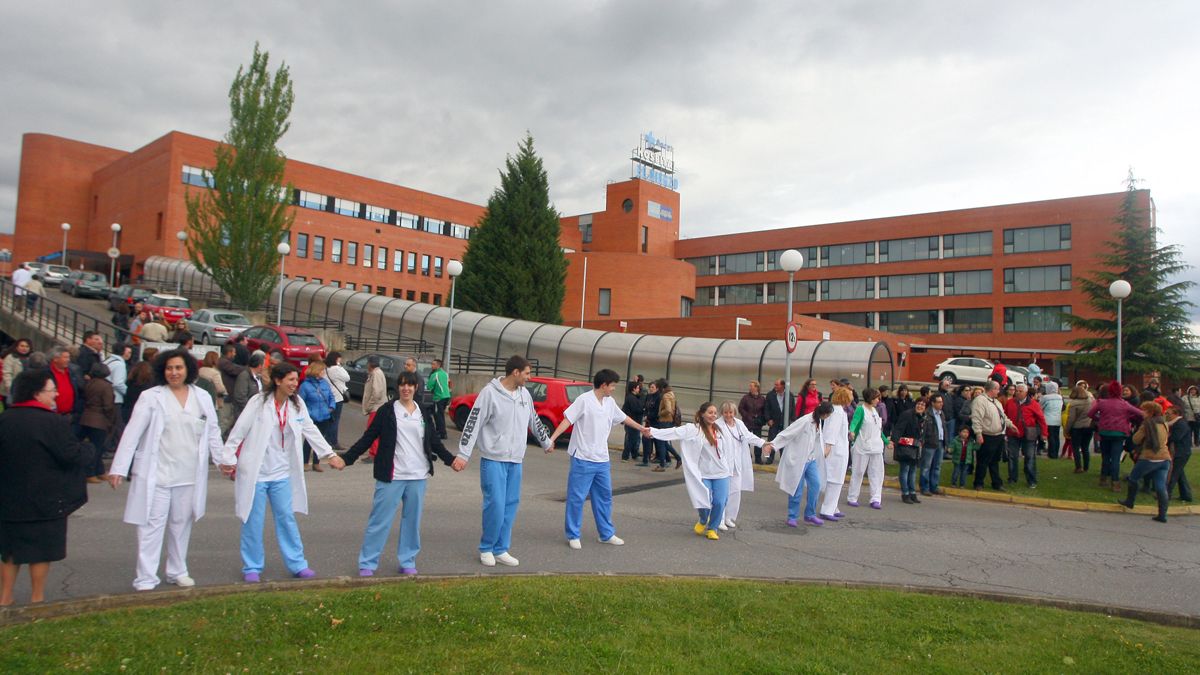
(792,337)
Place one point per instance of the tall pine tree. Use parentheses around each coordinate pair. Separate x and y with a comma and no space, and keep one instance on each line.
(514,265)
(236,226)
(1156,316)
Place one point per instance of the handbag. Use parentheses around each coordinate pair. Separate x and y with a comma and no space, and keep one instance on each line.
(905,440)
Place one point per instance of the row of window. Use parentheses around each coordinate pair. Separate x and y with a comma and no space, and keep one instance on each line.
(1016,320)
(319,202)
(372,256)
(1016,240)
(398,293)
(604,304)
(971,282)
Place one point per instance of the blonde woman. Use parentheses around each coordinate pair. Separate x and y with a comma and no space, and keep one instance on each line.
(741,462)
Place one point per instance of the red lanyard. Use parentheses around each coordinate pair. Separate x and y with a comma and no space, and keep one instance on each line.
(281,415)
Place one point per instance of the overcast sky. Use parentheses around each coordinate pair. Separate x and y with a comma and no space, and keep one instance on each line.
(781,113)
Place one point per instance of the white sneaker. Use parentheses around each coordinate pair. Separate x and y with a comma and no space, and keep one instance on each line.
(722,527)
(730,523)
(506,559)
(487,559)
(614,540)
(183,581)
(574,543)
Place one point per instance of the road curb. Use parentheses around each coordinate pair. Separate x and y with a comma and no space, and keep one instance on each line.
(68,608)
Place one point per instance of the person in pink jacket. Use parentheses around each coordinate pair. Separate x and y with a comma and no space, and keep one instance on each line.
(1114,418)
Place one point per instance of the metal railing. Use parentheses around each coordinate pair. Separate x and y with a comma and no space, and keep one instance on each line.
(485,364)
(56,321)
(391,343)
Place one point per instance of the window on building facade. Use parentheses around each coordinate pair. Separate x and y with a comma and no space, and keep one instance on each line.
(437,268)
(967,283)
(412,263)
(802,291)
(317,280)
(301,245)
(380,290)
(398,261)
(915,321)
(968,320)
(196,176)
(366,288)
(685,307)
(899,250)
(856,288)
(741,294)
(966,245)
(437,299)
(1033,279)
(1031,239)
(848,254)
(460,231)
(411,296)
(346,207)
(335,283)
(335,253)
(381,253)
(861,319)
(734,263)
(705,296)
(908,285)
(424,265)
(318,248)
(425,297)
(398,293)
(704,266)
(378,214)
(604,307)
(407,220)
(810,254)
(350,286)
(1036,319)
(352,253)
(312,200)
(645,238)
(435,226)
(368,255)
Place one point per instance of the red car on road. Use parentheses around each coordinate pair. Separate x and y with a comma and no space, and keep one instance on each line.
(300,347)
(551,396)
(170,308)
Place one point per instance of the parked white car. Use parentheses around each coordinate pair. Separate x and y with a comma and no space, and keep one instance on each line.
(970,370)
(215,326)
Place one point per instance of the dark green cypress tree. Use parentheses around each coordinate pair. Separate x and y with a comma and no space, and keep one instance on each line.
(1156,324)
(514,265)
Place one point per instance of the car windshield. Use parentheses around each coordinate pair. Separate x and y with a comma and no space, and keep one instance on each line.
(574,391)
(140,293)
(91,276)
(172,302)
(231,319)
(303,340)
(59,269)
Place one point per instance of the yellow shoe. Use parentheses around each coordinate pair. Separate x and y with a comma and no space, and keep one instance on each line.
(698,529)
(712,534)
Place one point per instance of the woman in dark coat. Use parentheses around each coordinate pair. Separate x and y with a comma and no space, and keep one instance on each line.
(43,467)
(907,433)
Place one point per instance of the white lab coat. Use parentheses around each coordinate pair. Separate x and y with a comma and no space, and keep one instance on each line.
(250,431)
(802,438)
(700,460)
(836,432)
(137,453)
(740,462)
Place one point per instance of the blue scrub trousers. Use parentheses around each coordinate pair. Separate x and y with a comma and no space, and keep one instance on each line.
(811,478)
(500,483)
(718,488)
(279,494)
(388,498)
(589,479)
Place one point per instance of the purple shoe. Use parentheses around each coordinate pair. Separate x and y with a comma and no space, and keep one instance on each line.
(408,571)
(850,503)
(364,572)
(250,577)
(831,518)
(813,520)
(791,522)
(305,573)
(839,515)
(876,505)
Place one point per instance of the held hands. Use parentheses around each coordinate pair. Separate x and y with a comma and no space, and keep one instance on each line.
(227,469)
(458,464)
(646,433)
(553,440)
(114,480)
(767,449)
(337,462)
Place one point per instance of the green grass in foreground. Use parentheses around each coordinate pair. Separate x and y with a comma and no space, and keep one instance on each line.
(1057,480)
(566,624)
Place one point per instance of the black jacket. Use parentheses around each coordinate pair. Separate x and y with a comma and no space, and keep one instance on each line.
(634,407)
(774,413)
(42,465)
(383,428)
(929,439)
(909,425)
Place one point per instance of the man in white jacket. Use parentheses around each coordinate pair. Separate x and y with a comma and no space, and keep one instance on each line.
(502,414)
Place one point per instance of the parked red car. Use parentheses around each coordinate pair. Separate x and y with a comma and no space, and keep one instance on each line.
(300,347)
(551,396)
(170,308)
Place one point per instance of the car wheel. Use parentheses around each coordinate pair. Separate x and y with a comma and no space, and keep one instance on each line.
(204,339)
(949,376)
(460,416)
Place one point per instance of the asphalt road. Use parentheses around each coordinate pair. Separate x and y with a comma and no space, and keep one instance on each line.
(1111,558)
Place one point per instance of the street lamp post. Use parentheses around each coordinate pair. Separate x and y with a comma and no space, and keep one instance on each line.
(737,328)
(453,268)
(182,237)
(284,249)
(66,227)
(790,261)
(112,272)
(1119,289)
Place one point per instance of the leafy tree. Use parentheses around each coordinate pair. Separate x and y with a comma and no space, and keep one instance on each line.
(1156,316)
(236,226)
(514,265)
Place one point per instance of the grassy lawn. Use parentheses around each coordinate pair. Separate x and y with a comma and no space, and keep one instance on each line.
(592,624)
(1057,480)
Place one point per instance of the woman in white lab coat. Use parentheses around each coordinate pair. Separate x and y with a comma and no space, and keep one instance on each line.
(705,469)
(800,467)
(167,445)
(835,433)
(741,461)
(270,468)
(866,429)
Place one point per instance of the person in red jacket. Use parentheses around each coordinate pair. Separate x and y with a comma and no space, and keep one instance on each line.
(808,398)
(999,373)
(1023,440)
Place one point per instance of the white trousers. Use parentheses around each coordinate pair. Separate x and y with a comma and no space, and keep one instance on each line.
(734,503)
(872,466)
(835,478)
(170,510)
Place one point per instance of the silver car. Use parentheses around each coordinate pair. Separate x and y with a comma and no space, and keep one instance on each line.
(216,326)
